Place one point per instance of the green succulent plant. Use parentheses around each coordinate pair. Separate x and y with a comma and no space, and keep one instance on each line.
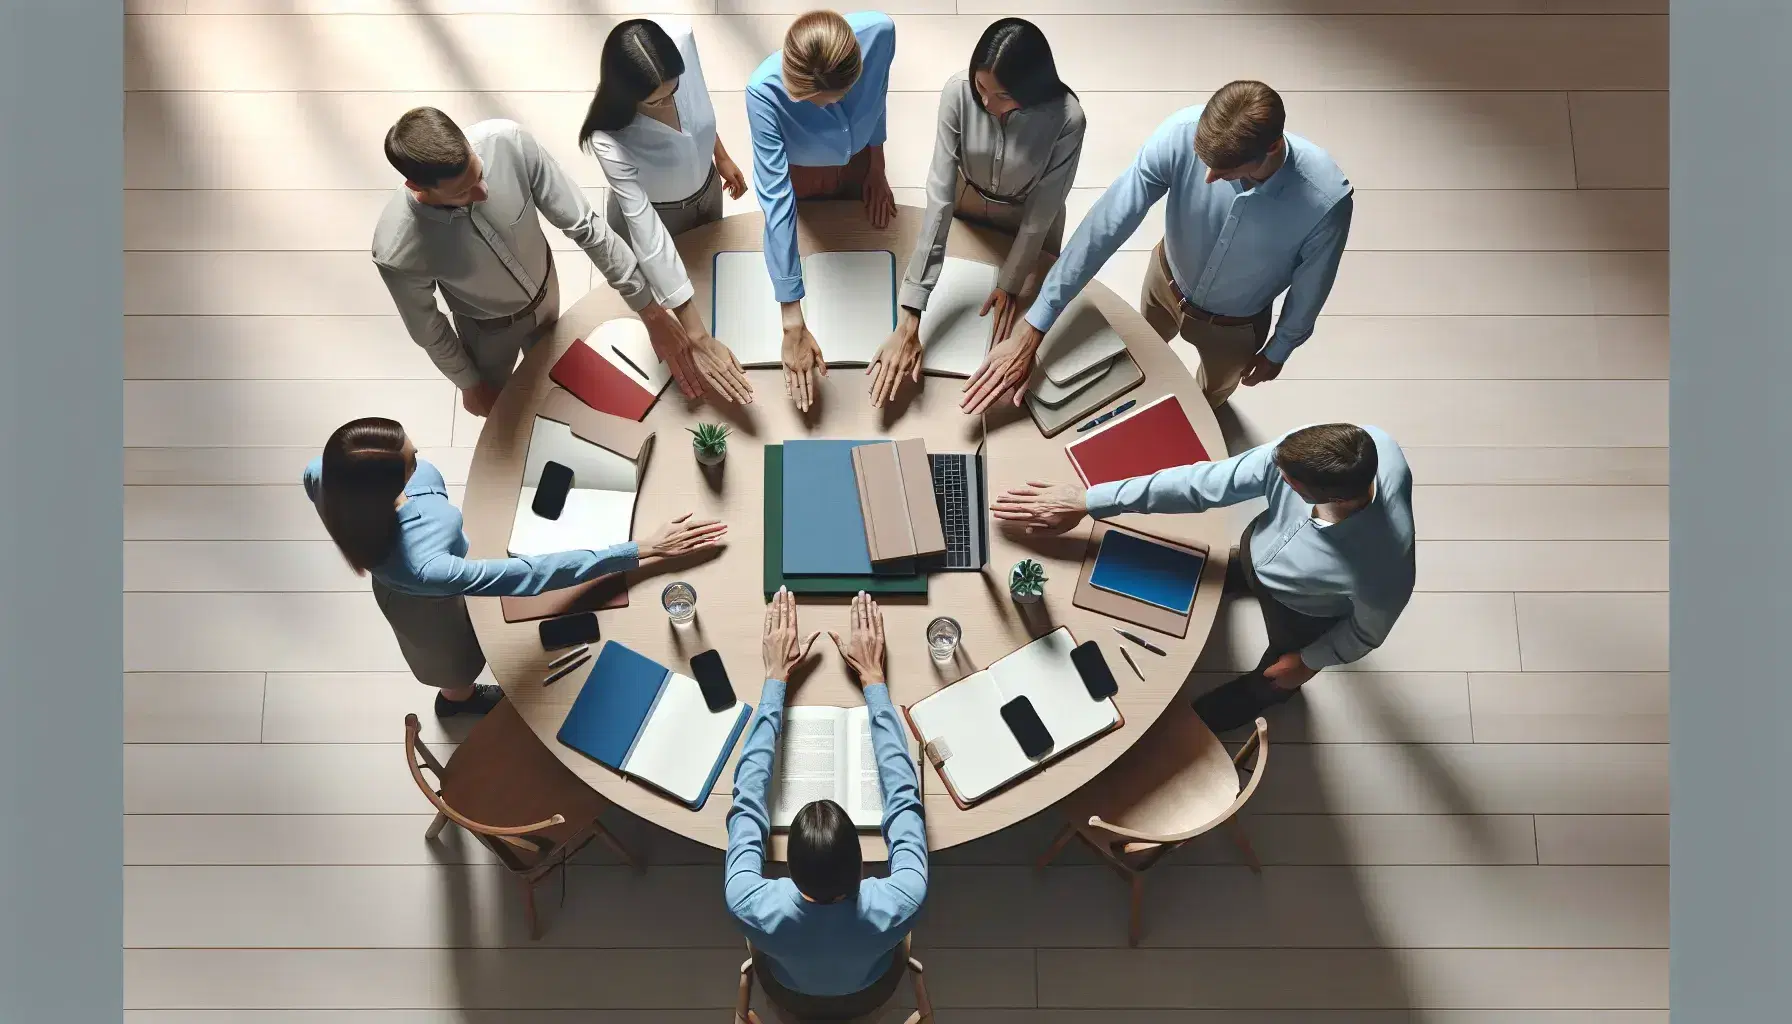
(1027,578)
(710,438)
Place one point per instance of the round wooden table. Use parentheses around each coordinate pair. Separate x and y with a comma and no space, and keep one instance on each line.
(729,587)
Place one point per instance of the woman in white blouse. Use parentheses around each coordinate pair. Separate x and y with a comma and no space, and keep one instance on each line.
(652,128)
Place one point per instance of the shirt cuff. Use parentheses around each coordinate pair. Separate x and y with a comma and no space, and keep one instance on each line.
(913,296)
(638,299)
(1103,500)
(466,379)
(1280,348)
(1319,655)
(1042,316)
(788,289)
(680,295)
(630,550)
(771,693)
(878,695)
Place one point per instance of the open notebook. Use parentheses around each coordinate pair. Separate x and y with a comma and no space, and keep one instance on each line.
(825,753)
(965,737)
(954,336)
(644,720)
(600,507)
(849,304)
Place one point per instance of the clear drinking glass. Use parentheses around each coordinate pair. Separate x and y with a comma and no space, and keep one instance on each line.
(942,638)
(680,601)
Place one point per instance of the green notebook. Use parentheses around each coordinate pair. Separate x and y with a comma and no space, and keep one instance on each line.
(774,549)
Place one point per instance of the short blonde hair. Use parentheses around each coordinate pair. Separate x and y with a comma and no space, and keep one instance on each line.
(821,54)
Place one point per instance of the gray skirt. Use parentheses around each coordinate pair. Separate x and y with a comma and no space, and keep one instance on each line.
(435,635)
(681,215)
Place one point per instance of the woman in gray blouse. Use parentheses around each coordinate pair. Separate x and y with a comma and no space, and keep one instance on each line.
(1010,133)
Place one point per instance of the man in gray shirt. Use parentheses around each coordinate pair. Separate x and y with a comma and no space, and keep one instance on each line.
(465,223)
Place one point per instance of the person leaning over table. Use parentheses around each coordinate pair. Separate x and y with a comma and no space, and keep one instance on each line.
(1253,212)
(825,939)
(389,514)
(652,129)
(1330,561)
(465,224)
(1010,134)
(816,113)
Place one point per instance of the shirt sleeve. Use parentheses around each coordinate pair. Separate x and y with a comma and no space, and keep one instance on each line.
(904,828)
(749,822)
(445,574)
(771,182)
(415,297)
(876,76)
(1372,616)
(942,195)
(1195,488)
(1113,218)
(659,259)
(563,204)
(1314,274)
(1044,205)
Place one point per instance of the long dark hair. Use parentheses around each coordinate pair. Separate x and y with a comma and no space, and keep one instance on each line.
(638,58)
(1017,54)
(364,472)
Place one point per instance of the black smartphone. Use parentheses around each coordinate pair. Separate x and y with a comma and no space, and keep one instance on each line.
(1024,722)
(718,692)
(1093,667)
(550,493)
(568,631)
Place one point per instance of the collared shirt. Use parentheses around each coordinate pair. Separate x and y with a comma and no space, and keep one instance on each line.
(1359,571)
(787,132)
(430,557)
(1233,246)
(491,259)
(826,949)
(1029,154)
(648,161)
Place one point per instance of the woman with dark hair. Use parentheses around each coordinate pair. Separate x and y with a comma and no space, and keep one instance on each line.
(1010,134)
(389,514)
(652,129)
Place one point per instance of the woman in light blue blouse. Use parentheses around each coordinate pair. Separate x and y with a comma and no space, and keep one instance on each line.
(389,514)
(816,113)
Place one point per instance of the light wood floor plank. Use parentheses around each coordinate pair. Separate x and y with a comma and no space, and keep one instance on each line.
(1499,466)
(1569,707)
(1602,838)
(1543,565)
(205,566)
(170,414)
(1541,513)
(1436,633)
(170,468)
(1593,632)
(1337,979)
(694,1016)
(1620,139)
(1371,707)
(1482,347)
(268,778)
(1466,779)
(1465,413)
(257,632)
(223,707)
(353,707)
(272,348)
(996,7)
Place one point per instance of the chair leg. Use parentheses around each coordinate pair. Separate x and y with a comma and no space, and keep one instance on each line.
(1137,909)
(743,998)
(529,914)
(1236,833)
(436,827)
(609,839)
(923,1005)
(1062,839)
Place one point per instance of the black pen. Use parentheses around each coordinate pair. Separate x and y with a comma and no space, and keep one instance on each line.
(557,676)
(631,363)
(1106,416)
(571,655)
(1141,641)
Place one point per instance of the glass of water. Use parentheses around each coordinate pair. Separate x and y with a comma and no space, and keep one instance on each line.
(942,638)
(680,601)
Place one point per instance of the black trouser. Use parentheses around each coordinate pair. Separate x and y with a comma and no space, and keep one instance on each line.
(1288,629)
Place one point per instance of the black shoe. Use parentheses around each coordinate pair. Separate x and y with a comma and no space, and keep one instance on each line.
(485,697)
(1237,703)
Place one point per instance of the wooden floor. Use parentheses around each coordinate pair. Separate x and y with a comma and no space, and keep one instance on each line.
(1468,827)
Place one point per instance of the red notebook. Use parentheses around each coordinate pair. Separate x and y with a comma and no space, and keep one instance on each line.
(1155,437)
(595,381)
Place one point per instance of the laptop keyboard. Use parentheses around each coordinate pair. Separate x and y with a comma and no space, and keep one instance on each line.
(951,492)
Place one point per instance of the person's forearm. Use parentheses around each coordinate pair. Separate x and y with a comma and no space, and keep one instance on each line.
(874,162)
(524,575)
(1314,276)
(749,822)
(415,301)
(904,826)
(1183,489)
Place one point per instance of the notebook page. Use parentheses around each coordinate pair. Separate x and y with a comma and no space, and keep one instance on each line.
(594,467)
(865,803)
(744,315)
(590,519)
(808,763)
(628,336)
(954,338)
(967,715)
(849,303)
(682,740)
(1044,673)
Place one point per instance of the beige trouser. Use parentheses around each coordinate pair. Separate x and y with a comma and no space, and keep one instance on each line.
(1225,348)
(495,349)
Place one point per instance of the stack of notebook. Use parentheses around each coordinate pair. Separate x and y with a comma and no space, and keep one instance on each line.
(815,531)
(1081,366)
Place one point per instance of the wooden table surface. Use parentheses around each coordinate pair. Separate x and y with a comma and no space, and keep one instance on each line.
(729,586)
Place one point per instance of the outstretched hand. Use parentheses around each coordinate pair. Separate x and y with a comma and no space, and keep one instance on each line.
(1043,507)
(863,647)
(783,647)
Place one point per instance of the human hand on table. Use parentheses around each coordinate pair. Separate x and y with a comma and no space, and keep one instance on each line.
(672,343)
(1006,307)
(863,647)
(784,647)
(1043,507)
(1004,371)
(898,357)
(802,361)
(479,399)
(719,368)
(682,536)
(880,202)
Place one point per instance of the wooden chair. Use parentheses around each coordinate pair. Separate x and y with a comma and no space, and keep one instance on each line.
(1176,783)
(923,1013)
(515,797)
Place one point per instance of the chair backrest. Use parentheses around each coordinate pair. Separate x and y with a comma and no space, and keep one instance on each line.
(495,837)
(857,1008)
(1255,750)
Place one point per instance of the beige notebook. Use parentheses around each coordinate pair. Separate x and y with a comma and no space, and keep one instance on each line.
(895,484)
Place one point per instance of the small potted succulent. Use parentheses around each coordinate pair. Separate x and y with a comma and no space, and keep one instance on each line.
(710,442)
(1026,582)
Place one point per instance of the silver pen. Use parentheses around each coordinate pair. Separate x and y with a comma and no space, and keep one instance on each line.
(1141,641)
(569,655)
(563,673)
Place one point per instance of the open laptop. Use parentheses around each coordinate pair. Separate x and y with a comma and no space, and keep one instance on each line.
(961,491)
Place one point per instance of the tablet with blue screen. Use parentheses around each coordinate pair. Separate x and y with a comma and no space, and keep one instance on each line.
(1156,574)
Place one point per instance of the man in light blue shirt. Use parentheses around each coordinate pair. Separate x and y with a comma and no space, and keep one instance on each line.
(1253,212)
(825,941)
(1330,561)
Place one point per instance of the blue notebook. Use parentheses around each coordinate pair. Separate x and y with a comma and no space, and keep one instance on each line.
(824,529)
(652,724)
(1153,573)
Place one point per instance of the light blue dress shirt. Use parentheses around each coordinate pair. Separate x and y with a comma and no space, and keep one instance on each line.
(826,949)
(787,132)
(1359,571)
(430,558)
(1232,247)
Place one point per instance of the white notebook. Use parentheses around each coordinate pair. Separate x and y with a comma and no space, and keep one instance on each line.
(624,343)
(954,337)
(1080,342)
(677,745)
(849,303)
(600,508)
(970,741)
(825,753)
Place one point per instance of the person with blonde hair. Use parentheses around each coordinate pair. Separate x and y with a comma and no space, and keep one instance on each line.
(816,113)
